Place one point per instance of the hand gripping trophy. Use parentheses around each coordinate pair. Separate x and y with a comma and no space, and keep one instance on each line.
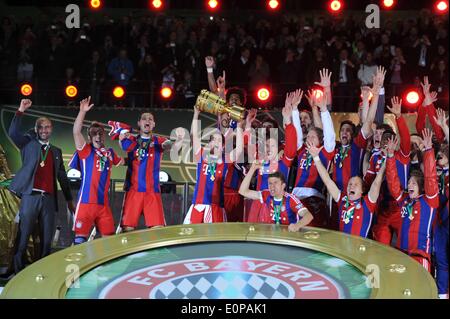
(211,103)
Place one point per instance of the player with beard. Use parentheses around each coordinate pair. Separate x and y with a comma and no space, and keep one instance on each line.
(418,202)
(143,191)
(96,162)
(308,184)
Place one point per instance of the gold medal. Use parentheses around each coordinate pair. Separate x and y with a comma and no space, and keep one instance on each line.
(346,221)
(212,178)
(42,164)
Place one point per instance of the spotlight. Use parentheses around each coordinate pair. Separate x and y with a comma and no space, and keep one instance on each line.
(71,91)
(388,4)
(26,89)
(263,94)
(335,6)
(412,97)
(166,92)
(118,92)
(95,4)
(273,4)
(442,6)
(213,4)
(156,4)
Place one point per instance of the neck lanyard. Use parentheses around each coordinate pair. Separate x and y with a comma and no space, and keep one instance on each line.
(348,213)
(103,156)
(409,208)
(277,210)
(212,167)
(343,152)
(308,159)
(44,157)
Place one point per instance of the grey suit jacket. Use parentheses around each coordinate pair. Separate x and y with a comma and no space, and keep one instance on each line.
(30,150)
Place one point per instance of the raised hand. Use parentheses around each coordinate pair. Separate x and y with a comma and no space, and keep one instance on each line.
(427,138)
(296,98)
(392,144)
(251,116)
(378,79)
(209,61)
(441,119)
(221,83)
(325,78)
(396,108)
(25,104)
(312,149)
(85,105)
(430,98)
(425,85)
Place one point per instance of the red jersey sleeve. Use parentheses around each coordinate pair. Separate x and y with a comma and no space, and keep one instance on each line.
(430,176)
(297,206)
(290,147)
(360,140)
(438,132)
(116,159)
(85,151)
(405,137)
(371,172)
(392,179)
(372,206)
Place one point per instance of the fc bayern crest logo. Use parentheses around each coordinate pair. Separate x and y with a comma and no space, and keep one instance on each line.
(224,278)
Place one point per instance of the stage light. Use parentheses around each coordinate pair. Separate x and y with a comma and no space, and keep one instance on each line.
(71,91)
(26,89)
(118,92)
(156,4)
(412,97)
(442,6)
(335,5)
(95,4)
(263,94)
(213,4)
(166,92)
(388,4)
(273,4)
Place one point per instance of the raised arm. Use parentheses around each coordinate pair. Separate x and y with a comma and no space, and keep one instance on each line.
(393,180)
(244,189)
(14,132)
(427,108)
(209,62)
(441,120)
(374,191)
(314,109)
(329,136)
(429,170)
(405,137)
(196,140)
(325,83)
(365,93)
(295,119)
(323,173)
(376,90)
(85,106)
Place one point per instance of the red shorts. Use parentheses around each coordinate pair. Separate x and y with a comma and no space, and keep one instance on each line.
(138,202)
(200,213)
(234,205)
(87,215)
(388,222)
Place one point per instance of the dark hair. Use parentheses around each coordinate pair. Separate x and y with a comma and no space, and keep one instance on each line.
(418,175)
(389,132)
(95,125)
(319,133)
(384,126)
(279,175)
(268,119)
(348,122)
(140,115)
(239,91)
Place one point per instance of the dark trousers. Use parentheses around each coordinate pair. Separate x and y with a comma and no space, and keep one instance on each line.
(35,208)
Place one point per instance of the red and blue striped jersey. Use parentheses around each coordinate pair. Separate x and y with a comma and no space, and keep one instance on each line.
(307,175)
(355,217)
(348,161)
(417,222)
(209,188)
(418,214)
(144,163)
(262,180)
(234,176)
(290,208)
(95,167)
(402,164)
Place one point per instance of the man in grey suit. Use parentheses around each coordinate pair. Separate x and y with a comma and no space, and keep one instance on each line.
(35,182)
